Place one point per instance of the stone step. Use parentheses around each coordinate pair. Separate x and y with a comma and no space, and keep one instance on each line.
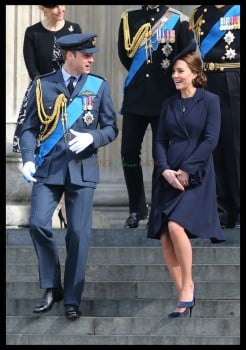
(17,214)
(128,293)
(129,307)
(108,326)
(132,289)
(130,272)
(37,339)
(117,215)
(129,255)
(117,237)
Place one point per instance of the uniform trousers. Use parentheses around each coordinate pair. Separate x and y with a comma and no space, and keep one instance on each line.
(133,131)
(226,84)
(79,202)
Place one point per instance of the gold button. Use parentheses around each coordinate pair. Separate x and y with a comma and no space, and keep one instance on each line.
(211,66)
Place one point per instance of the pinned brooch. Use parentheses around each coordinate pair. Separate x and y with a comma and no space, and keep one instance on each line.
(71,28)
(88,118)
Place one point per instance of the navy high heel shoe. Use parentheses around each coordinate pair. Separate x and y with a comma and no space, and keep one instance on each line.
(187,304)
(62,219)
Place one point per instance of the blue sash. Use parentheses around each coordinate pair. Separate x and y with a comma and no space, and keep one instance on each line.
(140,55)
(73,112)
(215,33)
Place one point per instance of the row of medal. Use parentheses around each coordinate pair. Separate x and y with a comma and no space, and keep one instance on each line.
(230,23)
(165,35)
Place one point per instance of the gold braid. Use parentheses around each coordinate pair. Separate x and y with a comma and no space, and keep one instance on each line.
(196,26)
(47,120)
(144,32)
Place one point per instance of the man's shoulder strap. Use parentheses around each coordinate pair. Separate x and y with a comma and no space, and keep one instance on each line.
(182,16)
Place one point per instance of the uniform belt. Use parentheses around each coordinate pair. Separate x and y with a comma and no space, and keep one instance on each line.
(211,66)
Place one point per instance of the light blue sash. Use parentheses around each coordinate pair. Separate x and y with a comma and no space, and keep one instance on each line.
(74,110)
(140,55)
(215,33)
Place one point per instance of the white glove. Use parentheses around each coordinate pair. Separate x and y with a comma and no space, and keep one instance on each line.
(80,142)
(28,170)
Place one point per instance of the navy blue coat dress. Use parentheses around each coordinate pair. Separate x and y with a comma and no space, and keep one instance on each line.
(186,141)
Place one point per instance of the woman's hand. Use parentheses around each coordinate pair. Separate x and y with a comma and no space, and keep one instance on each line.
(172,178)
(183,177)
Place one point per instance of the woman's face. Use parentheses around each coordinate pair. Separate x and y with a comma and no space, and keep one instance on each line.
(56,13)
(182,75)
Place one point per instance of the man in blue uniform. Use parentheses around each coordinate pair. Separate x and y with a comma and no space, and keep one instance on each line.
(70,114)
(217,29)
(148,39)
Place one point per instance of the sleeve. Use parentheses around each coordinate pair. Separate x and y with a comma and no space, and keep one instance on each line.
(122,53)
(30,128)
(29,54)
(209,138)
(161,142)
(107,130)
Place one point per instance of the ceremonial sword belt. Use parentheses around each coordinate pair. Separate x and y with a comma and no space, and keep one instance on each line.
(211,66)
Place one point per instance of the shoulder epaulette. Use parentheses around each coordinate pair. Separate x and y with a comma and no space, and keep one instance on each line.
(192,18)
(196,24)
(46,74)
(98,76)
(183,17)
(129,10)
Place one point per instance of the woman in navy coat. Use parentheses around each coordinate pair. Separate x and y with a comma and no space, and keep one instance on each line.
(184,199)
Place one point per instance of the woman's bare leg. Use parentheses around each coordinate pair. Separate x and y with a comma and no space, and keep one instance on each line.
(183,253)
(171,260)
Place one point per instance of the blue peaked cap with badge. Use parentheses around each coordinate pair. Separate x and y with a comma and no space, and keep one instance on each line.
(78,42)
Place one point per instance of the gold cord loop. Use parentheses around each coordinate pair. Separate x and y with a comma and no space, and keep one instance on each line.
(50,121)
(143,33)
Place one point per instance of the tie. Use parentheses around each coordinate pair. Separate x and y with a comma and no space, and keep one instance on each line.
(70,85)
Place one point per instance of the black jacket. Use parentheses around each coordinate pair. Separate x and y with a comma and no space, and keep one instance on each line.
(152,83)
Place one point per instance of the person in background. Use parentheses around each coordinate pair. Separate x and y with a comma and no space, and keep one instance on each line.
(184,198)
(148,39)
(217,30)
(70,112)
(41,56)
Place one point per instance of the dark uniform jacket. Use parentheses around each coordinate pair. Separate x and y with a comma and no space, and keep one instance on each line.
(152,83)
(83,167)
(202,20)
(222,67)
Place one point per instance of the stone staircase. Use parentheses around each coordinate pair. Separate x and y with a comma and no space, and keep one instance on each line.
(128,293)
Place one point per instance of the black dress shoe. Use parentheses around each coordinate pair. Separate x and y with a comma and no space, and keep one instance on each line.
(51,296)
(132,221)
(72,312)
